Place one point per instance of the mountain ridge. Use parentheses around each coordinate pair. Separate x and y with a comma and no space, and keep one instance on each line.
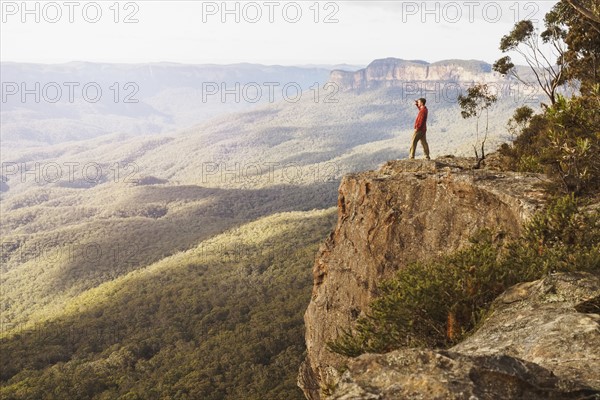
(396,72)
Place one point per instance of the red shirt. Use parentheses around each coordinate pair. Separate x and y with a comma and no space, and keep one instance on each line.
(421,121)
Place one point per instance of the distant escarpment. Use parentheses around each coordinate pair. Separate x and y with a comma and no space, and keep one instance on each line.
(390,72)
(405,212)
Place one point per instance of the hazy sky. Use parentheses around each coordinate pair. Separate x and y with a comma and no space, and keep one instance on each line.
(266,32)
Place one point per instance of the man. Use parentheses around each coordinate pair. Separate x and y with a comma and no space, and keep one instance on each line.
(420,129)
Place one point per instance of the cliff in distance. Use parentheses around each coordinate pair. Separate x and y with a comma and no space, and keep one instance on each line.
(413,211)
(393,72)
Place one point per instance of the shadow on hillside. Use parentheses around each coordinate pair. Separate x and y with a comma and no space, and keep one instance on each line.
(117,246)
(154,311)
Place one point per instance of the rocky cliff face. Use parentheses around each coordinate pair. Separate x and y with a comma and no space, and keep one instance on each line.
(406,211)
(553,322)
(396,72)
(541,342)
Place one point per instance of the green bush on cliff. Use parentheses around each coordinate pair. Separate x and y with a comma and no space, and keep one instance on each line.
(564,139)
(563,142)
(437,303)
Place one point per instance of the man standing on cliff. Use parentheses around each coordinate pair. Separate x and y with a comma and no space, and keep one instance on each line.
(420,129)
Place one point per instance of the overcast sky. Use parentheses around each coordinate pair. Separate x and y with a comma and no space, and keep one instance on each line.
(265,32)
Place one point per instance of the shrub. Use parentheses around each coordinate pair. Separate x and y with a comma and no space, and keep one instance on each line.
(437,303)
(564,142)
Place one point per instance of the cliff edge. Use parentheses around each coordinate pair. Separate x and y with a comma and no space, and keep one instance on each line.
(406,211)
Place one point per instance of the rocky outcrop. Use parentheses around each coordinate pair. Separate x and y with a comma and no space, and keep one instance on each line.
(392,72)
(540,342)
(553,322)
(405,212)
(445,375)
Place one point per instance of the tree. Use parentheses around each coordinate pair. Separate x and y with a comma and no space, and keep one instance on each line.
(477,100)
(564,140)
(525,40)
(519,120)
(591,15)
(582,26)
(573,148)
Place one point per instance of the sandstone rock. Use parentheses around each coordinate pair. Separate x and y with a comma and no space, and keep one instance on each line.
(407,211)
(548,322)
(445,375)
(392,72)
(540,342)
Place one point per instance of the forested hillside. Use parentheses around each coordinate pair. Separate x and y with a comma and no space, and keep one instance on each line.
(222,320)
(165,266)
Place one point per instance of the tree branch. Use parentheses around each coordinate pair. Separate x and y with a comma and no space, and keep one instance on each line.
(584,11)
(593,19)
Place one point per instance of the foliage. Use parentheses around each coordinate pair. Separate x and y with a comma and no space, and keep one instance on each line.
(564,142)
(478,99)
(437,303)
(519,120)
(526,41)
(76,240)
(580,19)
(222,320)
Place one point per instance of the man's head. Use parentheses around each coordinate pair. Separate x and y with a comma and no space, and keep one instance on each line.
(421,102)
